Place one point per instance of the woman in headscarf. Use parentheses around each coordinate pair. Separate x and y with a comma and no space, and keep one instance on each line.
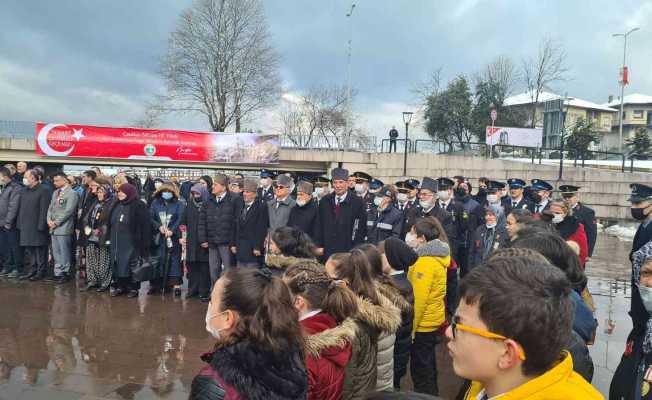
(130,238)
(165,217)
(632,379)
(489,236)
(95,226)
(199,278)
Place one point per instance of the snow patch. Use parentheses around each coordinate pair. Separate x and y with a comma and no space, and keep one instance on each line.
(624,233)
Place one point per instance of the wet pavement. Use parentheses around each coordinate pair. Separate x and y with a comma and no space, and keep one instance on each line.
(57,343)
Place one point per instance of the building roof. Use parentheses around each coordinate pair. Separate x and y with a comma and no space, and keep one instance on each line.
(526,98)
(634,98)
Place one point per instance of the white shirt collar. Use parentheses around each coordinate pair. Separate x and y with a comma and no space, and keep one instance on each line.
(309,314)
(516,201)
(342,197)
(483,396)
(396,273)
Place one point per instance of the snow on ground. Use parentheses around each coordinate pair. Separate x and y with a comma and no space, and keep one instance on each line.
(624,233)
(642,164)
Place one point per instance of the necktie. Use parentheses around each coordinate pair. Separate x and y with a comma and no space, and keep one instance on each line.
(245,210)
(277,204)
(514,205)
(538,208)
(337,207)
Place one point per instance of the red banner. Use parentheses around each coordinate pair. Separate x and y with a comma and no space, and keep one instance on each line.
(64,140)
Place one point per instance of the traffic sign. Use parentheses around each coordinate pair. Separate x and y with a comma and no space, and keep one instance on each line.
(494,115)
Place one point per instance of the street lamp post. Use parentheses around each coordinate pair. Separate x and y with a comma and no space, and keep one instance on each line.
(622,87)
(407,117)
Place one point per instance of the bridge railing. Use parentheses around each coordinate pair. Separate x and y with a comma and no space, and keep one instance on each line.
(329,142)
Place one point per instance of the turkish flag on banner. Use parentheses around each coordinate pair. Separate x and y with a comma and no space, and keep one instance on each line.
(63,140)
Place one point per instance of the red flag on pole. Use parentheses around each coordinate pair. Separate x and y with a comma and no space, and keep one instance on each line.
(624,76)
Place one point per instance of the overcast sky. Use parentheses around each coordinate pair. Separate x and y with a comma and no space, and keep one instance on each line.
(96,62)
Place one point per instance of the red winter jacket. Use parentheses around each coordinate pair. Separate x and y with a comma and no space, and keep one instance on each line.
(579,237)
(328,350)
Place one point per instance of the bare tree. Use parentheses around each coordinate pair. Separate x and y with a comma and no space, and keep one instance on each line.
(151,117)
(220,62)
(319,118)
(548,68)
(422,90)
(503,76)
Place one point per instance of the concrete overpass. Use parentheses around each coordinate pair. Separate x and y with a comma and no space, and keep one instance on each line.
(605,191)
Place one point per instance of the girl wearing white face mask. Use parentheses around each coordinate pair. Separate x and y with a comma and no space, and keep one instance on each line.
(630,381)
(252,317)
(326,308)
(569,227)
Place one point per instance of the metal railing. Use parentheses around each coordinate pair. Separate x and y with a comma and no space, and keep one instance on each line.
(440,147)
(385,146)
(329,142)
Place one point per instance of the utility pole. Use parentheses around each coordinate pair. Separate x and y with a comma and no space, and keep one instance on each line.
(349,112)
(623,82)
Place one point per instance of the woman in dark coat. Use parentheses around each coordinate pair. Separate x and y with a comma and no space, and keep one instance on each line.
(488,237)
(199,278)
(166,202)
(95,228)
(631,381)
(130,237)
(259,354)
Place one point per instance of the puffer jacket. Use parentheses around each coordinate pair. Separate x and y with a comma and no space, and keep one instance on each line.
(278,263)
(217,220)
(328,351)
(558,383)
(371,321)
(9,204)
(245,371)
(428,278)
(387,341)
(403,343)
(383,224)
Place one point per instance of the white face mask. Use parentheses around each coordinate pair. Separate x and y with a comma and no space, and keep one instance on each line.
(558,218)
(378,201)
(264,183)
(426,204)
(402,197)
(158,184)
(443,195)
(319,192)
(492,198)
(491,226)
(214,332)
(646,297)
(359,188)
(411,240)
(301,203)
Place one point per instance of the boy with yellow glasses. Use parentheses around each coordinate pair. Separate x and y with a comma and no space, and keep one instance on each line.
(508,334)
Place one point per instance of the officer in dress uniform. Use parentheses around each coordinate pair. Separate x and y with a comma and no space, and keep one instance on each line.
(361,187)
(413,199)
(402,197)
(641,210)
(427,208)
(583,213)
(447,203)
(540,196)
(494,190)
(265,191)
(516,198)
(322,188)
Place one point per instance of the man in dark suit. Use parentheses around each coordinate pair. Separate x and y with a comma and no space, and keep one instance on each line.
(447,203)
(516,198)
(305,215)
(541,191)
(250,228)
(265,191)
(343,218)
(582,212)
(393,135)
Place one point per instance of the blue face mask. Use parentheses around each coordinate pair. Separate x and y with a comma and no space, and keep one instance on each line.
(166,196)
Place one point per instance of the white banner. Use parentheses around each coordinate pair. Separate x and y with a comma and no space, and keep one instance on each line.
(515,136)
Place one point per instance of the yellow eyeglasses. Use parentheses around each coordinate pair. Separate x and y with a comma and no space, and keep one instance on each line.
(485,334)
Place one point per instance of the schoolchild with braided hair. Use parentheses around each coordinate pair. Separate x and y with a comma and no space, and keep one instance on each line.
(325,308)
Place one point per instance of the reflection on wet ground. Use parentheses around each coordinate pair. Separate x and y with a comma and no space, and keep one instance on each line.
(57,343)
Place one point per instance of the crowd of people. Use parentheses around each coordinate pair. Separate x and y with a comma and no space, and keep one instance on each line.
(333,287)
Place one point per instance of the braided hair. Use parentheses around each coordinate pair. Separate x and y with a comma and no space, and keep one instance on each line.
(309,280)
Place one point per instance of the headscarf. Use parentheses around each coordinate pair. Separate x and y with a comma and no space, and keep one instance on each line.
(130,191)
(199,188)
(498,211)
(399,255)
(639,258)
(108,191)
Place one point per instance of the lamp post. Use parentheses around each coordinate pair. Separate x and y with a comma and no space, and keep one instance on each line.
(407,117)
(622,87)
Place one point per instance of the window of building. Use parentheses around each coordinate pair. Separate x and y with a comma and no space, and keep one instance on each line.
(638,114)
(624,115)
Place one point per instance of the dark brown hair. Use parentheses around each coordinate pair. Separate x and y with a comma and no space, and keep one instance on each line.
(376,264)
(309,280)
(267,316)
(431,229)
(543,305)
(294,242)
(355,270)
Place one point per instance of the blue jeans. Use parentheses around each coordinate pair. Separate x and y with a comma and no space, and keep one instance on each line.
(62,254)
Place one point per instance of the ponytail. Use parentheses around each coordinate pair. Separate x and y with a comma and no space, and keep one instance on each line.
(376,264)
(355,270)
(263,302)
(310,281)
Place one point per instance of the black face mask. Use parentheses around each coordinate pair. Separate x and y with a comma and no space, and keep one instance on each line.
(197,199)
(460,193)
(536,197)
(638,213)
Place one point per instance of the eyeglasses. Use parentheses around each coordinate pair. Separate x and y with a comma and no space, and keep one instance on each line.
(279,187)
(485,334)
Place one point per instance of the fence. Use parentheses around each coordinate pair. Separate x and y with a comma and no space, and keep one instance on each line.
(329,142)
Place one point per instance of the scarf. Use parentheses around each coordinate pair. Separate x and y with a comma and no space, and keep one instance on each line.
(638,259)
